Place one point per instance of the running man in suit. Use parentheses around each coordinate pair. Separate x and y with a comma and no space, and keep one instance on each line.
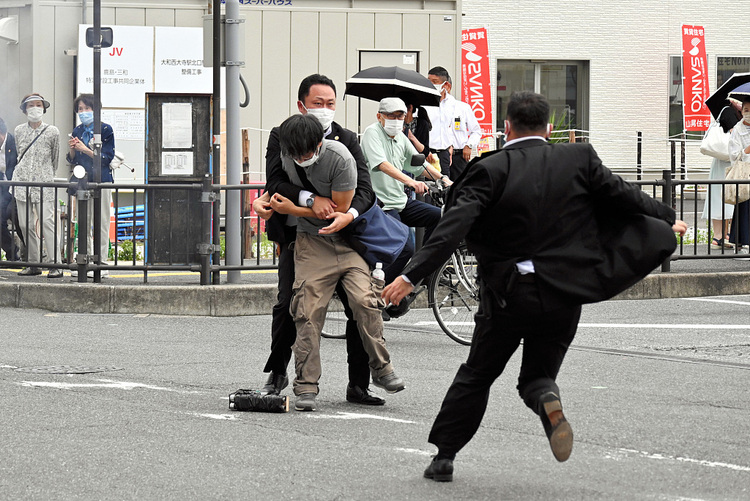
(540,218)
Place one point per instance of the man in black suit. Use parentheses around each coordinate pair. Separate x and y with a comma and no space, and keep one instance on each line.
(7,165)
(316,96)
(552,228)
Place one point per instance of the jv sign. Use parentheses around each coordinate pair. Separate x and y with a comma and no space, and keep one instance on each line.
(694,79)
(475,77)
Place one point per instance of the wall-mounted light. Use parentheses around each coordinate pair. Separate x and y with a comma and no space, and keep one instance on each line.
(9,29)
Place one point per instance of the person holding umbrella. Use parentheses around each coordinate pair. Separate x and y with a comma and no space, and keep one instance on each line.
(739,150)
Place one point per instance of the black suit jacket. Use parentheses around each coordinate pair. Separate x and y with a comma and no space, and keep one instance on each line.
(11,158)
(278,181)
(589,233)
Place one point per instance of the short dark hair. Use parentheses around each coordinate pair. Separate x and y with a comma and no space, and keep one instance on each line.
(528,111)
(745,100)
(299,135)
(3,128)
(441,73)
(87,99)
(314,79)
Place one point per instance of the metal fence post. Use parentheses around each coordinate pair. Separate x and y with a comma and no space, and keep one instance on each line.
(639,157)
(206,248)
(83,195)
(666,197)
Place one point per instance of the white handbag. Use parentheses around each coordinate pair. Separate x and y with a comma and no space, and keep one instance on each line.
(737,193)
(716,142)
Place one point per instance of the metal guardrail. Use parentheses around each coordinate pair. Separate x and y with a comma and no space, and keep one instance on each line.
(131,249)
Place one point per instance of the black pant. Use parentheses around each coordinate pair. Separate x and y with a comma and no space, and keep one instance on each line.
(7,243)
(452,167)
(284,332)
(546,337)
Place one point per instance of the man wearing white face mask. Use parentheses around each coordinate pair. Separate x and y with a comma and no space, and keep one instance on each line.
(82,153)
(323,259)
(455,130)
(38,147)
(389,152)
(316,96)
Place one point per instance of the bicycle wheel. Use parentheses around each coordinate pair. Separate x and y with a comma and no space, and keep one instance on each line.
(453,295)
(335,324)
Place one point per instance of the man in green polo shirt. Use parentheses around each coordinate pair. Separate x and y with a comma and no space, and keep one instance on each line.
(388,152)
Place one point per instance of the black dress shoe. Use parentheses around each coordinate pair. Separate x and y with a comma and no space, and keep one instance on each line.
(559,434)
(440,470)
(274,384)
(357,395)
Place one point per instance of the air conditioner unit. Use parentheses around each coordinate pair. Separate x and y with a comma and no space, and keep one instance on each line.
(9,29)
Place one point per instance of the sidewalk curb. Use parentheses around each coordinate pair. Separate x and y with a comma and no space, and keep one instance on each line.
(258,299)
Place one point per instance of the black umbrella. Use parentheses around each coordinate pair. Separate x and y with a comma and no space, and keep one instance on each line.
(379,82)
(718,100)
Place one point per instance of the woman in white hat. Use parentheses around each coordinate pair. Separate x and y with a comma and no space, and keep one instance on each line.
(38,147)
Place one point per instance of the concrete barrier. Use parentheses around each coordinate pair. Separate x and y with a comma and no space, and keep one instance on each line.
(258,299)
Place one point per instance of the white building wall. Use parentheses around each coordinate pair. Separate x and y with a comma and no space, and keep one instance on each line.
(628,45)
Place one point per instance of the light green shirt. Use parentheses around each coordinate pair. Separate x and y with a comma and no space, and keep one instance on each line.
(379,147)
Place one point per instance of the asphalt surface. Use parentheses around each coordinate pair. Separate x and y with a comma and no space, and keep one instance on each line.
(656,391)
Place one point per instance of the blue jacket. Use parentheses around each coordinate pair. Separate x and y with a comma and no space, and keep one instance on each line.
(11,159)
(108,153)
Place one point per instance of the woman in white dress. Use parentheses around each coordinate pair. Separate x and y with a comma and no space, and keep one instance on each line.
(715,208)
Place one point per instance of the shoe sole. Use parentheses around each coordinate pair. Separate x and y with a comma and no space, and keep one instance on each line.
(561,439)
(442,477)
(360,402)
(304,408)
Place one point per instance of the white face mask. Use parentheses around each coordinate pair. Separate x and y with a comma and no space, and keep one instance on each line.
(34,114)
(309,161)
(324,115)
(439,87)
(393,127)
(746,116)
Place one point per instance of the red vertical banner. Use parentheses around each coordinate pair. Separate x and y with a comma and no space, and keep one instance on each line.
(694,79)
(475,80)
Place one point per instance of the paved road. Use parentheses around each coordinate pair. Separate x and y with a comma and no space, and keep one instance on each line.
(656,392)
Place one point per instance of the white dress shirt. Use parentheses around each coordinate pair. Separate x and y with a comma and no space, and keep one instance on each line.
(453,124)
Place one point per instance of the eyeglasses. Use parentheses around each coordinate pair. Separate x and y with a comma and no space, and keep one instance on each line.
(398,115)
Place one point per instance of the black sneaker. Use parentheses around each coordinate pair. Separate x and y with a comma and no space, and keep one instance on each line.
(390,382)
(440,470)
(305,402)
(274,384)
(357,395)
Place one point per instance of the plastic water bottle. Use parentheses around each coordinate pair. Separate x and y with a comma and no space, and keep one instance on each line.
(378,273)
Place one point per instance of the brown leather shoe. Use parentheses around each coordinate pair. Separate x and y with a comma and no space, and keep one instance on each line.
(558,430)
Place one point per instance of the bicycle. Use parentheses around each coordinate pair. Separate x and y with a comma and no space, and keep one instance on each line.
(452,293)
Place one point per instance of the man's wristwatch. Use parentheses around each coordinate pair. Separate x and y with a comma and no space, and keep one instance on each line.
(310,200)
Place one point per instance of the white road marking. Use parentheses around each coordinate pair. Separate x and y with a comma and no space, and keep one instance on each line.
(709,300)
(8,367)
(103,383)
(419,452)
(664,457)
(352,415)
(722,327)
(625,326)
(219,417)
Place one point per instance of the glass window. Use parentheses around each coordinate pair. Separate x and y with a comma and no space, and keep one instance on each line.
(564,83)
(726,66)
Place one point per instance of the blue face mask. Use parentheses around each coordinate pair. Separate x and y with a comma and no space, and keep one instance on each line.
(86,117)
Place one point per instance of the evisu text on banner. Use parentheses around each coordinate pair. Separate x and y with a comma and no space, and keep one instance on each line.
(694,79)
(475,80)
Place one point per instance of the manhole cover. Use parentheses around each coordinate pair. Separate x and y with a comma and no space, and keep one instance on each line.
(66,369)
